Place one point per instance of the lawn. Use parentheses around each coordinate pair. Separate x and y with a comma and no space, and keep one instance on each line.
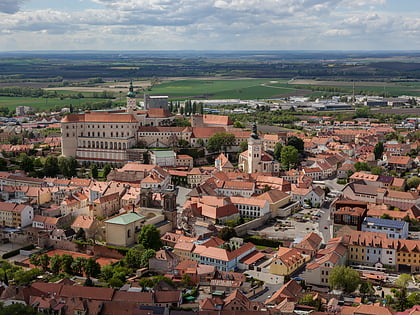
(215,89)
(42,103)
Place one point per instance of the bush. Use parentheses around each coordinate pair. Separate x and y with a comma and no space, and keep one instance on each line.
(258,240)
(16,251)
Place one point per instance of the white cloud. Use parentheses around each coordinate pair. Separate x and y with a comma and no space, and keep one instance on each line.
(212,24)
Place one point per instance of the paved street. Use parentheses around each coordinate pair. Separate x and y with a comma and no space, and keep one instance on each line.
(324,221)
(272,288)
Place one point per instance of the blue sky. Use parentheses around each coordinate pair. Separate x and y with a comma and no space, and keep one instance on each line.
(209,24)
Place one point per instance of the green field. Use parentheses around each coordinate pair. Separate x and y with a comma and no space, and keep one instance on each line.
(215,89)
(268,88)
(42,103)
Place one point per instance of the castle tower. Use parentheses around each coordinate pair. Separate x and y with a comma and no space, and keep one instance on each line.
(254,151)
(131,99)
(146,196)
(169,207)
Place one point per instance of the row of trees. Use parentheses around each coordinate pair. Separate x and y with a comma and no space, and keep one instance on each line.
(67,264)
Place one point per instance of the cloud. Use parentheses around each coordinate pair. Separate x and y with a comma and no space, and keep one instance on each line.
(10,6)
(213,24)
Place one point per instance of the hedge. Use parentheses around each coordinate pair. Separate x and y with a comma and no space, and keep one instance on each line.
(257,240)
(16,251)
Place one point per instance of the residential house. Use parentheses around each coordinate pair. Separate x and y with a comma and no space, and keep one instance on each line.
(280,203)
(15,215)
(349,217)
(309,245)
(289,291)
(318,271)
(393,229)
(287,260)
(163,262)
(88,224)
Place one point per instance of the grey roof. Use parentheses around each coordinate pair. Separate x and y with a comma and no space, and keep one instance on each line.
(384,223)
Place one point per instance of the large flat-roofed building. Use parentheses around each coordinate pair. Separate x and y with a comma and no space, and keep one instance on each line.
(155,101)
(105,137)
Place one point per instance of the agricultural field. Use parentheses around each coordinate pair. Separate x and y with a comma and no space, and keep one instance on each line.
(42,104)
(216,89)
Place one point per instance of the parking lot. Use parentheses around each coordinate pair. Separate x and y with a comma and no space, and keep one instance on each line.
(296,226)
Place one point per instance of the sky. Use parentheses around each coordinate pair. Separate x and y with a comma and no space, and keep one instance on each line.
(209,25)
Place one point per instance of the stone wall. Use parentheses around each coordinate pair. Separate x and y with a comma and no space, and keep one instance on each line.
(243,229)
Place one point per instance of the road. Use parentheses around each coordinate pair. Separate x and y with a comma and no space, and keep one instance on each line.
(272,288)
(324,221)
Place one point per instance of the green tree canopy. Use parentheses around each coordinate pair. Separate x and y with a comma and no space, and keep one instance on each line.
(403,280)
(219,141)
(366,288)
(227,233)
(277,151)
(149,237)
(94,171)
(377,170)
(243,146)
(297,143)
(378,150)
(413,182)
(344,278)
(107,170)
(51,168)
(289,156)
(361,166)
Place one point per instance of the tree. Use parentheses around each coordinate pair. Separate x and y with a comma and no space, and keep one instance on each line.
(238,124)
(107,272)
(377,170)
(44,261)
(403,280)
(227,233)
(72,167)
(55,264)
(94,171)
(146,255)
(413,182)
(277,151)
(51,168)
(149,237)
(115,283)
(77,265)
(134,256)
(344,278)
(26,163)
(34,260)
(361,166)
(63,165)
(92,268)
(18,309)
(297,143)
(107,170)
(386,216)
(378,150)
(243,146)
(66,262)
(289,156)
(81,234)
(366,288)
(186,280)
(219,141)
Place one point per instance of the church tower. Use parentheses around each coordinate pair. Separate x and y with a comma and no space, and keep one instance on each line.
(131,99)
(255,146)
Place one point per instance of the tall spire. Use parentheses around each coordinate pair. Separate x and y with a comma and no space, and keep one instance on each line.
(254,134)
(131,92)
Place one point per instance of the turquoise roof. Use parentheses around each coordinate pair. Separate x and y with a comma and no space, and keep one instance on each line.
(126,218)
(164,153)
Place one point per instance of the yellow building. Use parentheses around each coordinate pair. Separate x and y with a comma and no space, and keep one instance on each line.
(408,254)
(122,230)
(15,215)
(356,253)
(286,261)
(184,250)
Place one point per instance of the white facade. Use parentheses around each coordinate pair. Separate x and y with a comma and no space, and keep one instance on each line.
(393,229)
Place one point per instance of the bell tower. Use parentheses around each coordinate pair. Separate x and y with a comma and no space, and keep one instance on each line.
(131,99)
(254,151)
(169,207)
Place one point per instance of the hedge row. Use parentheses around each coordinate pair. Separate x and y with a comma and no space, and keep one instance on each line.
(258,240)
(120,249)
(16,251)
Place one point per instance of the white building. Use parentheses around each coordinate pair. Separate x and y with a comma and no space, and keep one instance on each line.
(393,229)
